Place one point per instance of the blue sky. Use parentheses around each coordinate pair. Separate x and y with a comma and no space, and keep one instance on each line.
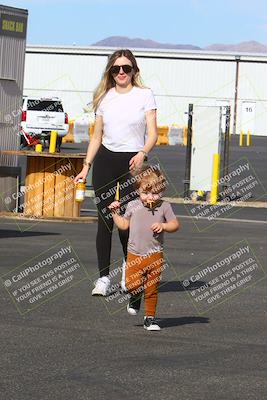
(197,22)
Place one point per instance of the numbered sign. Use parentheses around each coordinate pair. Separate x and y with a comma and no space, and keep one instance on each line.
(248,117)
(223,104)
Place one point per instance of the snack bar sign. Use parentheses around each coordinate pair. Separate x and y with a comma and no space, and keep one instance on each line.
(13,25)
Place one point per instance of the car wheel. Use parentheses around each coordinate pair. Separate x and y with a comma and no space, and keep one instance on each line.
(59,143)
(23,142)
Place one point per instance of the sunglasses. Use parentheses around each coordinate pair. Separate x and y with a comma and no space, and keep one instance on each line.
(116,69)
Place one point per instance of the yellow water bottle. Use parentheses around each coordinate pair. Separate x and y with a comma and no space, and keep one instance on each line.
(80,190)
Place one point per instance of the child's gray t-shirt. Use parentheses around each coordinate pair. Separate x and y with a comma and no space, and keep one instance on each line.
(142,239)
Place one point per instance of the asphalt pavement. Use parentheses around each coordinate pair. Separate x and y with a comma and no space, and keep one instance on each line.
(75,346)
(58,342)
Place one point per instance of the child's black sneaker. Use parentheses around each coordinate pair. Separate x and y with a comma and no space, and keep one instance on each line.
(150,324)
(134,304)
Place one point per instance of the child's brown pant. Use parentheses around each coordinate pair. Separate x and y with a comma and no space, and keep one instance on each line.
(143,273)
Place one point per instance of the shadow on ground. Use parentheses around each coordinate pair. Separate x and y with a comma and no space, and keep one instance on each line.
(177,286)
(9,233)
(170,322)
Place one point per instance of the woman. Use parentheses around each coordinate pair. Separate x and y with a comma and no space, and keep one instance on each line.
(125,132)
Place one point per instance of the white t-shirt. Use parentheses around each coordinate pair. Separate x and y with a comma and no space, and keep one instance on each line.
(124,118)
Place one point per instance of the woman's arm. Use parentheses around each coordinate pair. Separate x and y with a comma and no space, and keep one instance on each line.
(152,137)
(92,149)
(152,131)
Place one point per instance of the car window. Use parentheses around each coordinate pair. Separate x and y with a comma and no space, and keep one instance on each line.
(44,105)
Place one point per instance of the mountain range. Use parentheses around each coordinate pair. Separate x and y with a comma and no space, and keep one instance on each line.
(125,42)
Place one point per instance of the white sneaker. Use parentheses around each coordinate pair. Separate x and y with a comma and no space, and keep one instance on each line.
(150,324)
(131,310)
(134,304)
(101,286)
(123,273)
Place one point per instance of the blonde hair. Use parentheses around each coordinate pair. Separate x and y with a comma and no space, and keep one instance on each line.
(151,178)
(107,81)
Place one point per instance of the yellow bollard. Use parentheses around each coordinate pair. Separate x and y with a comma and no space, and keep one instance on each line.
(215,178)
(248,138)
(38,148)
(53,142)
(184,135)
(241,136)
(69,137)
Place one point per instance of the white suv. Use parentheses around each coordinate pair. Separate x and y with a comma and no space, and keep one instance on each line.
(40,116)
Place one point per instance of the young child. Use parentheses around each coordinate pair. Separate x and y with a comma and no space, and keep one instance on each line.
(147,217)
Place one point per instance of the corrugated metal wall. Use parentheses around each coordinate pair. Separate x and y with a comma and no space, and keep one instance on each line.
(12,51)
(72,78)
(177,79)
(252,87)
(12,59)
(177,83)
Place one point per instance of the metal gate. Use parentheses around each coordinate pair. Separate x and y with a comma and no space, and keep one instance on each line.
(208,135)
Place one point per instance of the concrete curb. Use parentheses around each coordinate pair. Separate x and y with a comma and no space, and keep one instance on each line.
(251,204)
(92,219)
(19,216)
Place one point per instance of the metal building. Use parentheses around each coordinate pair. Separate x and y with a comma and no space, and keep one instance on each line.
(13,28)
(176,77)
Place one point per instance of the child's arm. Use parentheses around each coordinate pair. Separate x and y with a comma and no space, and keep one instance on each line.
(121,222)
(171,226)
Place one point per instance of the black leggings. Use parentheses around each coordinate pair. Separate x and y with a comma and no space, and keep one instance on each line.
(109,168)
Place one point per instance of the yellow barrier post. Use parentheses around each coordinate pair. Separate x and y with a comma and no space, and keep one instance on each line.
(38,148)
(241,136)
(200,193)
(91,130)
(215,178)
(248,138)
(69,137)
(184,135)
(53,142)
(162,135)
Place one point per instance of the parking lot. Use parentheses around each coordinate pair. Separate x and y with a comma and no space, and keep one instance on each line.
(76,346)
(172,159)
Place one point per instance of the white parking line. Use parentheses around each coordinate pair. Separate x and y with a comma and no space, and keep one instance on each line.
(254,221)
(247,221)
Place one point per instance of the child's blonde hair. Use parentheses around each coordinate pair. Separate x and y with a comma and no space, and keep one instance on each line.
(151,178)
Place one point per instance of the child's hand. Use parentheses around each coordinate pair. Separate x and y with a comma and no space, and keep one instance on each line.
(157,227)
(114,207)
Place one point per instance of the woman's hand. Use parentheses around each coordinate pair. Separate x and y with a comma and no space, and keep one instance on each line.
(114,207)
(82,174)
(136,161)
(157,227)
